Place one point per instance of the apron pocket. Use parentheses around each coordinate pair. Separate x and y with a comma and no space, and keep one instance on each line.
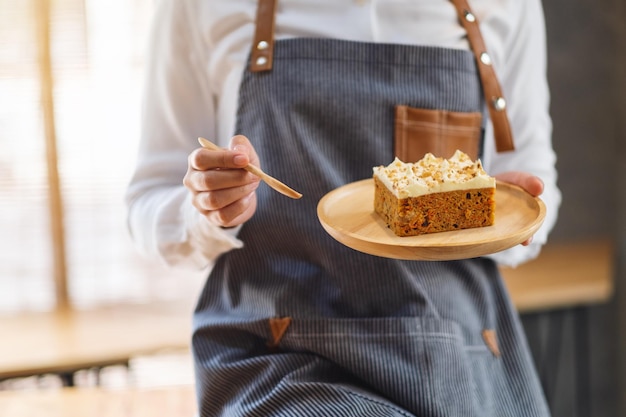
(420,364)
(440,132)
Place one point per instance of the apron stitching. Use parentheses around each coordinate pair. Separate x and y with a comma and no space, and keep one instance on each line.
(439,126)
(390,406)
(377,335)
(374,63)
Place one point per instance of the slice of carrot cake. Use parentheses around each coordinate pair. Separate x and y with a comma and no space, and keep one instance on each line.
(434,195)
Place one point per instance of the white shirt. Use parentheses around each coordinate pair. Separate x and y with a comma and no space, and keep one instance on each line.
(198,50)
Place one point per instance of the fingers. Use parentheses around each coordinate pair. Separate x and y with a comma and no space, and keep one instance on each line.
(222,191)
(210,170)
(531,183)
(206,201)
(216,179)
(203,159)
(225,210)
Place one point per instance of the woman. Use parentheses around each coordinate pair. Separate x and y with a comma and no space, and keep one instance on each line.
(290,322)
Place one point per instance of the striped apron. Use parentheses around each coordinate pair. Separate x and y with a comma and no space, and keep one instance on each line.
(296,324)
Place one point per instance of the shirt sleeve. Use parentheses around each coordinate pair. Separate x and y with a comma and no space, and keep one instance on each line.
(178,107)
(523,75)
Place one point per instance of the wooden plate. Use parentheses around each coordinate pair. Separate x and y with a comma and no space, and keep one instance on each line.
(347,214)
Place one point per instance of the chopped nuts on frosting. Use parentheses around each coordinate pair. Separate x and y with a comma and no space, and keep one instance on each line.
(434,175)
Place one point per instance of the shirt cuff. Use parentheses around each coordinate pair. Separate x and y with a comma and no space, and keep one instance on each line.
(206,241)
(517,255)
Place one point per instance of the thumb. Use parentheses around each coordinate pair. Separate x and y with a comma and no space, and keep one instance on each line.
(242,145)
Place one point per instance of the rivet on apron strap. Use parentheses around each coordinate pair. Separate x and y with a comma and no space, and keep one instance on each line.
(491,87)
(491,340)
(278,327)
(262,54)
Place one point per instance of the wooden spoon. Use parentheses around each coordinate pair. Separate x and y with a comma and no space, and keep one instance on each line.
(271,181)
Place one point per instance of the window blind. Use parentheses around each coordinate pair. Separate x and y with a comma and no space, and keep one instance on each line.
(97,51)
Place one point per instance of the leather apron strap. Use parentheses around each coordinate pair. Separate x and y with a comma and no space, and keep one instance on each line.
(263,52)
(491,87)
(263,47)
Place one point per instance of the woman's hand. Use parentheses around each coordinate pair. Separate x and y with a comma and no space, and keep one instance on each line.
(531,183)
(223,192)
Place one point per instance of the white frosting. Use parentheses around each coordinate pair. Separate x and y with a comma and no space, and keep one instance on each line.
(434,175)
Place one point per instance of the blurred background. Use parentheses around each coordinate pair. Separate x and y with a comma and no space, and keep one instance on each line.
(72,287)
(97,50)
(70,83)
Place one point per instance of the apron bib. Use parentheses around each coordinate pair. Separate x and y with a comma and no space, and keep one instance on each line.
(296,324)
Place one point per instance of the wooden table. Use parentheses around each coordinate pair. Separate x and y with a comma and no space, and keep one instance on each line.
(67,341)
(86,402)
(564,275)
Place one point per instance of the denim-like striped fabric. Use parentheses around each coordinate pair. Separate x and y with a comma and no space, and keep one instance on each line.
(369,336)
